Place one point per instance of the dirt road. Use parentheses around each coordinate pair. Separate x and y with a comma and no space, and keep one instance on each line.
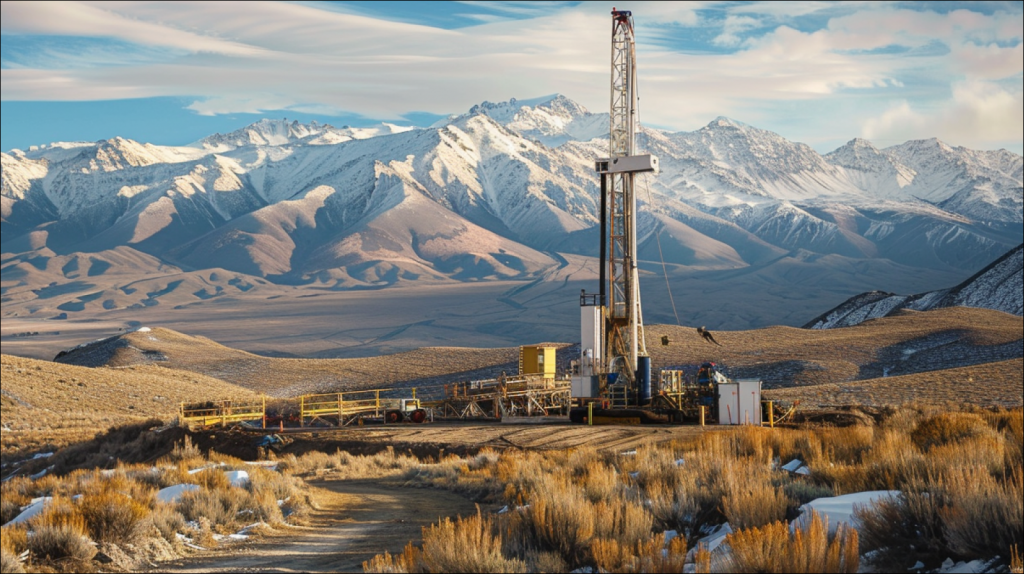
(355,521)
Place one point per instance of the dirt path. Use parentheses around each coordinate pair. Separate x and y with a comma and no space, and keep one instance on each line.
(356,520)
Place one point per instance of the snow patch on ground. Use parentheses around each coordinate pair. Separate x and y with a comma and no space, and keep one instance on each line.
(174,493)
(839,509)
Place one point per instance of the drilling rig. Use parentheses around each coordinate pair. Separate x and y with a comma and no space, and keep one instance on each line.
(612,378)
(614,365)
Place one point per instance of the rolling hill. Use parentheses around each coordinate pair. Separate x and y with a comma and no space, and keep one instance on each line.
(905,344)
(283,377)
(998,286)
(45,403)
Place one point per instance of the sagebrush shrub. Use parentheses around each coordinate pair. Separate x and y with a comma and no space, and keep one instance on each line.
(9,563)
(983,516)
(11,507)
(466,545)
(14,538)
(113,517)
(754,503)
(168,521)
(60,542)
(947,428)
(900,530)
(808,548)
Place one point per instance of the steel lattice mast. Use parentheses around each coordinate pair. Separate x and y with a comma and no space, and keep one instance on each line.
(623,336)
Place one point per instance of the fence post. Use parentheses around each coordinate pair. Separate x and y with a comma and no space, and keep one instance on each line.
(771,414)
(590,413)
(702,416)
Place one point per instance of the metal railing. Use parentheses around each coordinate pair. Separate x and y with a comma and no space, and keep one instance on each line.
(353,404)
(223,412)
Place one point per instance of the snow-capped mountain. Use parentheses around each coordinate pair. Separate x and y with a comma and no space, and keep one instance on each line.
(505,191)
(998,286)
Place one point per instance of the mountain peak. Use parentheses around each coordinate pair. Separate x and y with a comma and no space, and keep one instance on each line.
(266,131)
(724,122)
(504,112)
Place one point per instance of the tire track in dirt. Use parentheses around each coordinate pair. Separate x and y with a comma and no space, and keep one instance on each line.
(355,520)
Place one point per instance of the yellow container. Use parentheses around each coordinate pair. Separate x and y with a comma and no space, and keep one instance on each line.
(537,360)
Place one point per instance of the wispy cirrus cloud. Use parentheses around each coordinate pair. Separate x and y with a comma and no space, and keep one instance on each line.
(861,68)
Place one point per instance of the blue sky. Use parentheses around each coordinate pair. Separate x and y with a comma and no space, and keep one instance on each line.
(817,72)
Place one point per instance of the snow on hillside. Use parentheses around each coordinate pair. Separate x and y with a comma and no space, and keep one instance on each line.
(998,286)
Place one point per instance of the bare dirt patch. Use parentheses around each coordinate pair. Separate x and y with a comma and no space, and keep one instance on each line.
(354,521)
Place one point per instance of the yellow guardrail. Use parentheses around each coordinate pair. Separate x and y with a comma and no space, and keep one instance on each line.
(223,412)
(342,405)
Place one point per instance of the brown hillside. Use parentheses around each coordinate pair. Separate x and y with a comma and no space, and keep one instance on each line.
(286,377)
(909,343)
(46,402)
(991,384)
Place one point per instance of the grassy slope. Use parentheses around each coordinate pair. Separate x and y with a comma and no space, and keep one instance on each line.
(46,402)
(905,344)
(284,377)
(991,384)
(782,356)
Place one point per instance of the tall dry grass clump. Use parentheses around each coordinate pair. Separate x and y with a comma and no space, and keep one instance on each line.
(558,519)
(583,508)
(114,517)
(983,516)
(755,504)
(468,544)
(965,512)
(601,482)
(809,548)
(60,534)
(651,555)
(946,428)
(118,509)
(9,552)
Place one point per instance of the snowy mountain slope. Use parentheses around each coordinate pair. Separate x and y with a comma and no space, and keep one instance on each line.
(998,286)
(552,120)
(276,133)
(497,193)
(981,185)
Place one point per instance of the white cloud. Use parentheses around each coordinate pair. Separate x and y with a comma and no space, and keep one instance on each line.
(978,115)
(268,55)
(991,62)
(80,19)
(733,27)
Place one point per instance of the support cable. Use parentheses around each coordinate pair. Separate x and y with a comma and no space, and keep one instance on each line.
(664,268)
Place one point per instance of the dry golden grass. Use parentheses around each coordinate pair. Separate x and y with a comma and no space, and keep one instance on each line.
(809,548)
(53,404)
(118,509)
(836,365)
(651,555)
(285,377)
(837,356)
(959,473)
(990,384)
(463,545)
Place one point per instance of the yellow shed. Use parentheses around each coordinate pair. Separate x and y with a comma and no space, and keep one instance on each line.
(537,360)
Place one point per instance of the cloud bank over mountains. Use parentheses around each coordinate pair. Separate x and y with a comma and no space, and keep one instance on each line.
(815,72)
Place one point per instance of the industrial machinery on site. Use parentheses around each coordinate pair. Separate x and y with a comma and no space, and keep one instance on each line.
(611,381)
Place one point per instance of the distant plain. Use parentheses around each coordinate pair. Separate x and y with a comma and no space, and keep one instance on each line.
(283,321)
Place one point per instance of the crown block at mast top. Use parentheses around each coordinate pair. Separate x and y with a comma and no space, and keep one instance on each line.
(624,112)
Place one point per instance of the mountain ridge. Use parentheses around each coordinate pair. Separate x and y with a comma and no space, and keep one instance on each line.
(501,192)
